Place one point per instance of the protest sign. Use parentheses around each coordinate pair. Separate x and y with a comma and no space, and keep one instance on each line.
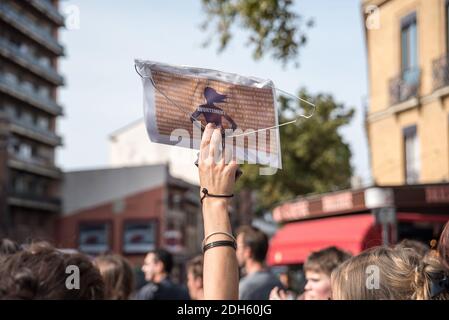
(179,101)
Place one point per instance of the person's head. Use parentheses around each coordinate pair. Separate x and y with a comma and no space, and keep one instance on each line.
(8,247)
(117,275)
(252,245)
(43,272)
(443,245)
(318,269)
(383,273)
(195,278)
(284,277)
(419,247)
(157,265)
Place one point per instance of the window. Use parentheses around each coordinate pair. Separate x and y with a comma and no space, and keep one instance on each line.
(93,238)
(10,77)
(46,153)
(20,184)
(174,240)
(139,236)
(28,86)
(13,145)
(39,187)
(43,123)
(10,110)
(43,91)
(411,148)
(15,43)
(27,118)
(44,61)
(17,112)
(25,151)
(409,49)
(24,49)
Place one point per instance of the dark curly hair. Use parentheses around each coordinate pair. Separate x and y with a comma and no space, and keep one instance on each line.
(39,272)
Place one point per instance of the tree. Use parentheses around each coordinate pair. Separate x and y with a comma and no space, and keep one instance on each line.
(272,26)
(314,156)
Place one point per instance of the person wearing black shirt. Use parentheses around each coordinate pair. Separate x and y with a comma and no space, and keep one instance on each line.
(157,267)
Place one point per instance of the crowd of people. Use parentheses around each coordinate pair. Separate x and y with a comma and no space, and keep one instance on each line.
(230,267)
(399,272)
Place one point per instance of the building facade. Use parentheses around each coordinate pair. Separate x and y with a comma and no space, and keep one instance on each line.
(408,114)
(29,79)
(131,146)
(357,219)
(130,211)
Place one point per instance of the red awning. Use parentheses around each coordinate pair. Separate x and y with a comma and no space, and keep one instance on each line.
(295,241)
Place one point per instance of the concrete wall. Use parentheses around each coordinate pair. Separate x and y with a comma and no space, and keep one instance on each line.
(90,188)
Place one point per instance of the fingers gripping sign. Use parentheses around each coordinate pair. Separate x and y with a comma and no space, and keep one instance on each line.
(217,174)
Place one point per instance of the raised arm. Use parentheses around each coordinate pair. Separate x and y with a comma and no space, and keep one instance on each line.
(220,274)
(194,116)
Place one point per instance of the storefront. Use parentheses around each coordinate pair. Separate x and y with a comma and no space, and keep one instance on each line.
(355,220)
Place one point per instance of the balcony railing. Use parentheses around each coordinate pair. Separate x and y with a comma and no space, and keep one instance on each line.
(405,86)
(42,167)
(35,161)
(16,90)
(28,27)
(28,199)
(27,61)
(31,130)
(47,8)
(440,70)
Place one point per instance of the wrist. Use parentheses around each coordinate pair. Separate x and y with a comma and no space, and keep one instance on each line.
(215,215)
(206,194)
(215,204)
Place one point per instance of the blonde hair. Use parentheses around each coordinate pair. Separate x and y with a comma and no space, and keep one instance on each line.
(431,272)
(443,245)
(118,276)
(195,266)
(403,275)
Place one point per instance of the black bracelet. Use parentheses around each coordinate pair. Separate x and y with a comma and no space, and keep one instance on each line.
(221,243)
(207,194)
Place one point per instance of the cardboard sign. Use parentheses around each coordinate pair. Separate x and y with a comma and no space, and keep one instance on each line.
(180,101)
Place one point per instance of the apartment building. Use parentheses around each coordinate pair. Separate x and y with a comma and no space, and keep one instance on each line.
(29,80)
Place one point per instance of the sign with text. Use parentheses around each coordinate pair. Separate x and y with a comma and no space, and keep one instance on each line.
(180,101)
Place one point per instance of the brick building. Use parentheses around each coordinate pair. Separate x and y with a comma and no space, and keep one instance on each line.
(129,211)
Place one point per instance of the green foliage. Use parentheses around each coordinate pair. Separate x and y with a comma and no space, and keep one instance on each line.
(272,26)
(314,156)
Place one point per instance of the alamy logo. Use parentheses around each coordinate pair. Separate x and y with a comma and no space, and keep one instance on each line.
(73,280)
(372,17)
(373,277)
(72,17)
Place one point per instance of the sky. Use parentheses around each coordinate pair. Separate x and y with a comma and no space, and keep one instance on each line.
(103,93)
